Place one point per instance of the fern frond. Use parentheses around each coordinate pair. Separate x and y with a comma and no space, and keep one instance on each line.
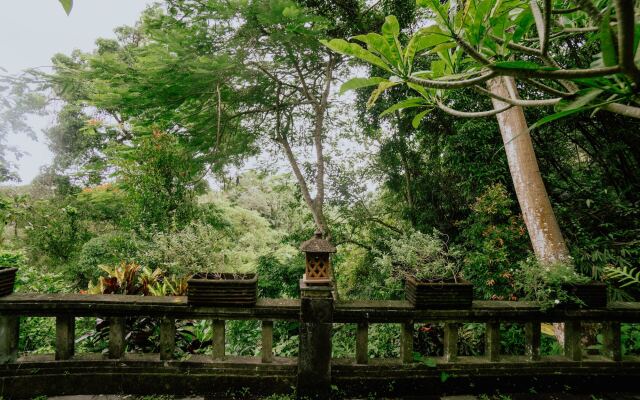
(625,275)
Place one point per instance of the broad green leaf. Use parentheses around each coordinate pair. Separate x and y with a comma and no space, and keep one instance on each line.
(391,26)
(605,84)
(410,102)
(583,98)
(67,5)
(565,113)
(352,49)
(379,44)
(438,67)
(420,89)
(416,120)
(357,83)
(382,86)
(423,39)
(439,9)
(481,11)
(522,24)
(609,55)
(556,116)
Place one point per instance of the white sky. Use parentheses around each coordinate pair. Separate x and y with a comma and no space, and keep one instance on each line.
(31,31)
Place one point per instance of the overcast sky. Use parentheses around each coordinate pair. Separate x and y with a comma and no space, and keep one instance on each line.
(31,31)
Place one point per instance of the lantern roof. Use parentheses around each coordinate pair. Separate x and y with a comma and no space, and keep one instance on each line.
(317,245)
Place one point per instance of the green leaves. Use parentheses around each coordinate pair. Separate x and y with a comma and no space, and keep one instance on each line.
(583,98)
(411,102)
(391,26)
(625,275)
(580,104)
(425,38)
(357,83)
(384,46)
(67,5)
(382,86)
(416,120)
(355,50)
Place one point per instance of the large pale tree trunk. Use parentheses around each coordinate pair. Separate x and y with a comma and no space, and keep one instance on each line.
(547,241)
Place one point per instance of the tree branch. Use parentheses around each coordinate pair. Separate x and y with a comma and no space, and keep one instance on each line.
(541,26)
(464,114)
(549,89)
(622,109)
(282,139)
(557,74)
(626,32)
(440,84)
(519,102)
(303,82)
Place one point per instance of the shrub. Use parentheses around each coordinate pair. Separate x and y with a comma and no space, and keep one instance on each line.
(55,231)
(279,278)
(196,248)
(234,244)
(495,239)
(422,255)
(545,283)
(103,203)
(13,259)
(107,249)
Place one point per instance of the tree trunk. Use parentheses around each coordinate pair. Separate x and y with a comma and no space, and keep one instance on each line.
(547,241)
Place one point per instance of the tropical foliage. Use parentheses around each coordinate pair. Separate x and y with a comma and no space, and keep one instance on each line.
(212,136)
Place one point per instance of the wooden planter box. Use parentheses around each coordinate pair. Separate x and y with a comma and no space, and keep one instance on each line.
(224,290)
(7,280)
(593,294)
(439,295)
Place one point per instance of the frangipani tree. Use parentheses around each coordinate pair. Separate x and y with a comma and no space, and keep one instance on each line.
(474,41)
(493,46)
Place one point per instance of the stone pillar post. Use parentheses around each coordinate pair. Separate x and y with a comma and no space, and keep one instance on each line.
(314,357)
(9,338)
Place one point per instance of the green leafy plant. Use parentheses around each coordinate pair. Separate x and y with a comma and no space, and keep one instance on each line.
(424,256)
(495,239)
(625,275)
(198,248)
(13,259)
(547,284)
(107,249)
(471,43)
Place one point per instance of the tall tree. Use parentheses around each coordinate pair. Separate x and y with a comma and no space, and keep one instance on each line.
(477,42)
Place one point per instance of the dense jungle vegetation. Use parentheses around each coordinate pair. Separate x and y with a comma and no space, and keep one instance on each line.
(212,135)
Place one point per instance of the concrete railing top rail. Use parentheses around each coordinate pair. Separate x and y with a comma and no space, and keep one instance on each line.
(374,311)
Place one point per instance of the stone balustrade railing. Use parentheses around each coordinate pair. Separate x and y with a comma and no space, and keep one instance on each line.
(314,373)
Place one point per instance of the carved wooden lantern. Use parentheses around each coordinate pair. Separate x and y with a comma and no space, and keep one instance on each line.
(318,260)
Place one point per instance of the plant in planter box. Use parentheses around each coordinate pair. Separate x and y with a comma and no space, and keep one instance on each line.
(218,262)
(432,276)
(9,263)
(558,284)
(217,288)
